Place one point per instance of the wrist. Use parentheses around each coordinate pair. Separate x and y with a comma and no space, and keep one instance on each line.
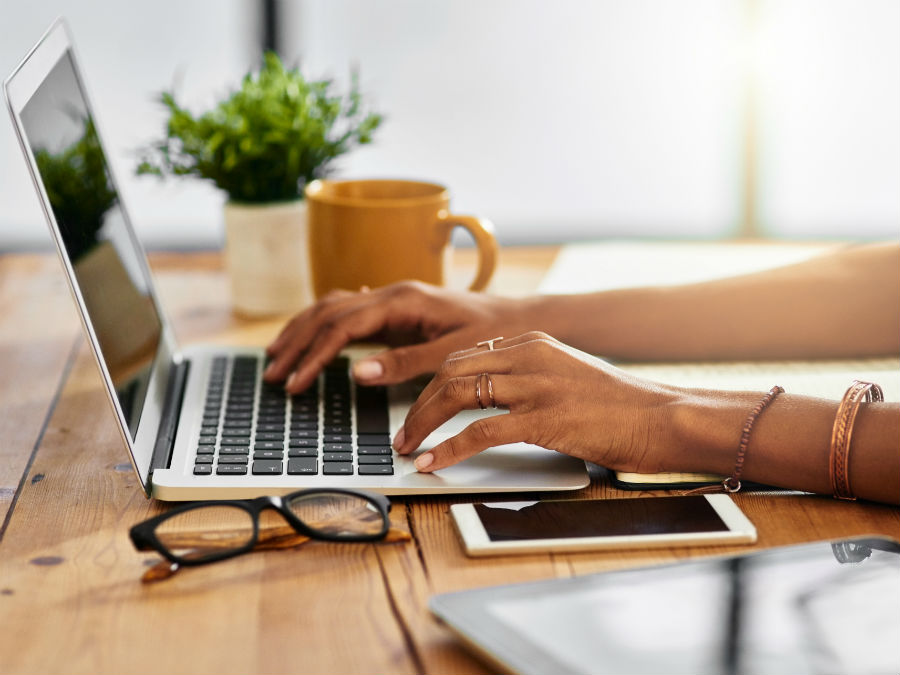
(706,430)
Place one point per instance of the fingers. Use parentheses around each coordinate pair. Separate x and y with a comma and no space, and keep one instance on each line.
(403,363)
(478,436)
(504,377)
(333,334)
(502,359)
(456,394)
(296,336)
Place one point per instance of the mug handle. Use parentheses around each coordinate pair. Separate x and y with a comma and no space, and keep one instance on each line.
(482,231)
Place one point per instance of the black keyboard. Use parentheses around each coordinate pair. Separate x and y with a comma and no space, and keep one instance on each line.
(253,428)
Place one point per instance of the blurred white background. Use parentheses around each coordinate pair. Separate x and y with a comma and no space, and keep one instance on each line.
(560,121)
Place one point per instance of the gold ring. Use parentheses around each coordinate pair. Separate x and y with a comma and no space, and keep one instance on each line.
(491,390)
(489,343)
(478,392)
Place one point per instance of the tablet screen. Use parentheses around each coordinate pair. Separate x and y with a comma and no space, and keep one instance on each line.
(820,608)
(514,521)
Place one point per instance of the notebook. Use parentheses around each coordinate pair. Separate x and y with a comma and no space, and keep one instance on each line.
(198,422)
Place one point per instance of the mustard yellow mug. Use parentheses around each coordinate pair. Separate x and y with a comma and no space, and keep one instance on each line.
(375,232)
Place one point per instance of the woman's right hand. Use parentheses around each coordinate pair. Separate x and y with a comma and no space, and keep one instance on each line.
(422,324)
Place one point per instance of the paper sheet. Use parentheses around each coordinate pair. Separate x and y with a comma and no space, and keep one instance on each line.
(598,266)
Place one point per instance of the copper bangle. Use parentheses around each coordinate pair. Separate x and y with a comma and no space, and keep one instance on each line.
(733,482)
(839,459)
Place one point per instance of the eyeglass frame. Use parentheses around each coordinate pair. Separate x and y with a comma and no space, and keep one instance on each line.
(143,534)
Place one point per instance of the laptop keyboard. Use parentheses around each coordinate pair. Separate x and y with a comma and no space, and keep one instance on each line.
(253,428)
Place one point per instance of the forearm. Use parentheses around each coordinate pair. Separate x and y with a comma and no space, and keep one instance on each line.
(841,305)
(789,444)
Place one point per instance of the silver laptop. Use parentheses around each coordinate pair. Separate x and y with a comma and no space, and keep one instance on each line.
(199,423)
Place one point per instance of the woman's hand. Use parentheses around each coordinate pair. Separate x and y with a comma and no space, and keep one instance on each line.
(558,398)
(424,323)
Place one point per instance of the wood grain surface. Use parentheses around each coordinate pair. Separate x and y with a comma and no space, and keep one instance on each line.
(70,596)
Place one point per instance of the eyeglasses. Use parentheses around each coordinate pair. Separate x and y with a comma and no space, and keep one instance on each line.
(204,532)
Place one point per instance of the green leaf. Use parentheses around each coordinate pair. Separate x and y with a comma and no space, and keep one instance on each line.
(265,140)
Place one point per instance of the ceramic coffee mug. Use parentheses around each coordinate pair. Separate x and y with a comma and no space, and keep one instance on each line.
(375,232)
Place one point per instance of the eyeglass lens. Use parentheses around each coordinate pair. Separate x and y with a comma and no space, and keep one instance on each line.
(337,515)
(206,532)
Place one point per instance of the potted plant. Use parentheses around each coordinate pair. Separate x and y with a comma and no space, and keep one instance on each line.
(261,145)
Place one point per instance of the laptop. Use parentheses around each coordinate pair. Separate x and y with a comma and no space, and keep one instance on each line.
(198,422)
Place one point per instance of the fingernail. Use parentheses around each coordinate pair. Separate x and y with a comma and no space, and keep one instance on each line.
(424,461)
(367,369)
(399,438)
(290,380)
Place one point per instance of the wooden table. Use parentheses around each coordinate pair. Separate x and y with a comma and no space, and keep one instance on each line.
(70,596)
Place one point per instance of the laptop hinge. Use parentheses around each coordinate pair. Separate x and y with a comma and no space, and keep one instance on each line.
(168,423)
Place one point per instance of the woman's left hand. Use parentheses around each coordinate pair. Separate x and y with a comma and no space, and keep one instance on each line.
(558,398)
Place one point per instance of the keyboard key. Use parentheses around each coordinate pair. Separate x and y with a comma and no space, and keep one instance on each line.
(337,468)
(375,459)
(234,450)
(232,459)
(270,467)
(371,410)
(304,433)
(268,454)
(207,440)
(303,443)
(375,470)
(303,465)
(246,425)
(373,450)
(337,447)
(203,459)
(202,469)
(268,445)
(337,456)
(270,428)
(311,425)
(270,419)
(373,439)
(303,452)
(206,449)
(235,432)
(337,438)
(231,469)
(234,440)
(269,436)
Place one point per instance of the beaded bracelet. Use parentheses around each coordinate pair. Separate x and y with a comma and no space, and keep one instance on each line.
(733,482)
(839,460)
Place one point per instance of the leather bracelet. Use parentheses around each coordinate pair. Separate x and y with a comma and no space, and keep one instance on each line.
(733,482)
(839,458)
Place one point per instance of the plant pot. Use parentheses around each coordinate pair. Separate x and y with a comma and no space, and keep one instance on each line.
(266,255)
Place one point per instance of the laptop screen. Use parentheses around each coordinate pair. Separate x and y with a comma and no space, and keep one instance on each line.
(97,240)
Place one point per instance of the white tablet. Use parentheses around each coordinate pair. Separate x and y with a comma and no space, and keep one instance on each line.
(814,608)
(581,525)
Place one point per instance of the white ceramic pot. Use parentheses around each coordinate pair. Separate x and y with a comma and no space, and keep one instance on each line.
(266,254)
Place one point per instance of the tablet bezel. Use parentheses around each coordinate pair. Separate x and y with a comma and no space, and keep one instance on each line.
(477,542)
